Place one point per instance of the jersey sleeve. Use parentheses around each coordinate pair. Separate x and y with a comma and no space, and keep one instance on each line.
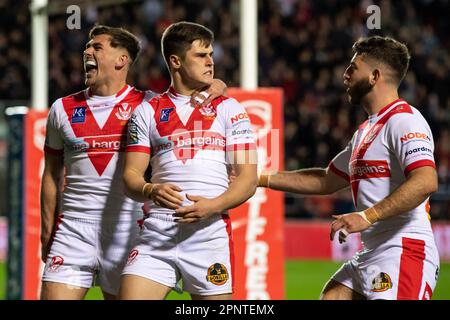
(340,163)
(411,140)
(54,143)
(138,138)
(238,130)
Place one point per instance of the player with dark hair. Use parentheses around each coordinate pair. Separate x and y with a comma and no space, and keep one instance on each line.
(186,233)
(87,223)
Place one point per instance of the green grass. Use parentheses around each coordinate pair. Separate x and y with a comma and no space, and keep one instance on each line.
(304,281)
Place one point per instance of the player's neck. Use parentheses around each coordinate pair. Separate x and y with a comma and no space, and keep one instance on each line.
(107,89)
(373,103)
(182,87)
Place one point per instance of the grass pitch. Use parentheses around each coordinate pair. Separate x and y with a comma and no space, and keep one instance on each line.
(304,281)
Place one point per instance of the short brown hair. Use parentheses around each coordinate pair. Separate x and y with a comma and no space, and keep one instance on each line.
(386,50)
(178,38)
(119,38)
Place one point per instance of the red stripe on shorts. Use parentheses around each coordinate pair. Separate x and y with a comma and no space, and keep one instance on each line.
(227,220)
(411,269)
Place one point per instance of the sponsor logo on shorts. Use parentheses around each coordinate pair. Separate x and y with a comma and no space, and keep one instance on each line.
(132,256)
(55,264)
(217,274)
(381,282)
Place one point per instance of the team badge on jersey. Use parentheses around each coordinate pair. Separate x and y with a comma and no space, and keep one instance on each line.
(165,114)
(124,111)
(79,115)
(373,133)
(208,112)
(55,264)
(217,274)
(381,282)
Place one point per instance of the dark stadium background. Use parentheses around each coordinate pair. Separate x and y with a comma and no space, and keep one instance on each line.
(304,47)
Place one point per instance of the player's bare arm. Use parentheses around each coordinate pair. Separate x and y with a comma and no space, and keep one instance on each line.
(51,186)
(242,188)
(419,185)
(317,181)
(165,195)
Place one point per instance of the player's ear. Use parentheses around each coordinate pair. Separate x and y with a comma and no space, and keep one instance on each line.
(375,76)
(175,61)
(122,61)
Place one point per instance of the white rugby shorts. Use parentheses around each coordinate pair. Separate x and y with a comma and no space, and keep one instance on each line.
(405,267)
(199,253)
(84,253)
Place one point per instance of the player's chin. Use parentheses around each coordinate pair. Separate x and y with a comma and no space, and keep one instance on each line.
(208,78)
(89,81)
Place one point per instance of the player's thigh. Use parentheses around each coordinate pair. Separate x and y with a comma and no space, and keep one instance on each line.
(61,291)
(73,255)
(205,258)
(152,259)
(134,287)
(334,290)
(116,242)
(401,268)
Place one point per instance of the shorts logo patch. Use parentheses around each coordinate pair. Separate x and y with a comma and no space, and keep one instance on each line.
(217,274)
(381,282)
(132,256)
(79,115)
(55,264)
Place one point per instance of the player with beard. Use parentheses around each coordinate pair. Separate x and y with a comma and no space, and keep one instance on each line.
(390,168)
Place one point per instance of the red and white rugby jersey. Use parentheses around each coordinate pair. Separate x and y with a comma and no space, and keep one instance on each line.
(380,155)
(188,145)
(90,133)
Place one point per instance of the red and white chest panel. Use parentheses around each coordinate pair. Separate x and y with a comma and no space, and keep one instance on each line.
(382,152)
(189,146)
(90,132)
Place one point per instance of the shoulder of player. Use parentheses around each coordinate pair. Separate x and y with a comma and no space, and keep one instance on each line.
(407,114)
(225,103)
(73,97)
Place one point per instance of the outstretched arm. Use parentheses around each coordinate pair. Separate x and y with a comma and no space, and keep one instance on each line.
(313,181)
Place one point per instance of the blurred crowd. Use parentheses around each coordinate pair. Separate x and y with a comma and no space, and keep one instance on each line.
(304,47)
